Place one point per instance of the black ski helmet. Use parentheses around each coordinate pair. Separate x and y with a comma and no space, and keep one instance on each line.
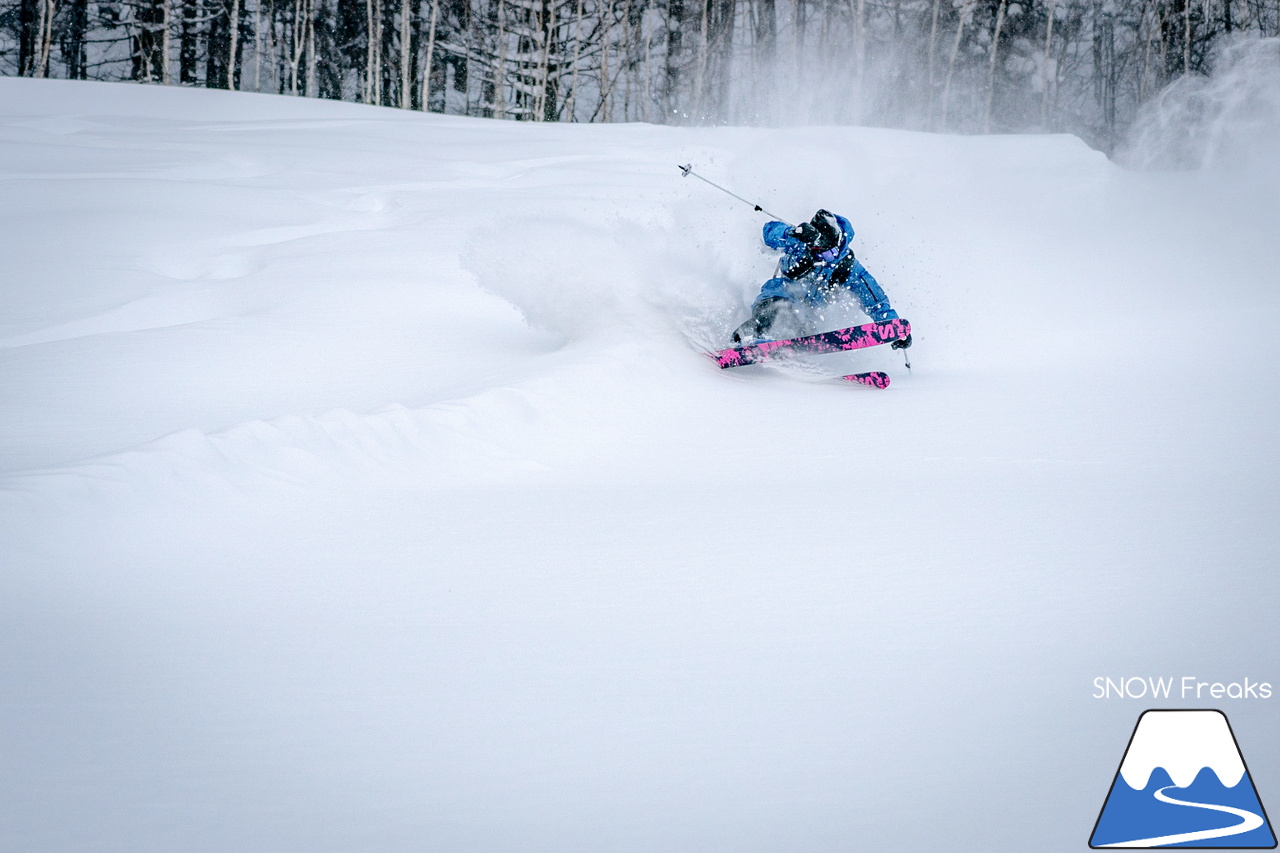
(828,230)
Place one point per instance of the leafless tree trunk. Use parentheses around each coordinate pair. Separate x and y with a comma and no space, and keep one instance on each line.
(606,80)
(703,48)
(311,49)
(991,71)
(933,50)
(235,38)
(1164,46)
(1186,37)
(404,54)
(647,90)
(257,46)
(1145,34)
(628,39)
(625,60)
(48,9)
(299,45)
(571,104)
(431,50)
(547,28)
(1044,64)
(276,39)
(951,63)
(500,70)
(373,40)
(165,43)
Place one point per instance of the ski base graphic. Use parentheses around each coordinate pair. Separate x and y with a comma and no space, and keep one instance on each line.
(840,340)
(874,379)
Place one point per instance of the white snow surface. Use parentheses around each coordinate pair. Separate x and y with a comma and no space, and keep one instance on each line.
(365,487)
(1183,743)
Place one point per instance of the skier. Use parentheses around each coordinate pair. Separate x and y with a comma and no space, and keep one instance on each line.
(817,263)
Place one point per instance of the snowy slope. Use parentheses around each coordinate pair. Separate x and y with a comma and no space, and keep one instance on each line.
(365,488)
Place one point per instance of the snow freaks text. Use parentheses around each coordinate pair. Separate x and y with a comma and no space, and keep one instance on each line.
(1186,687)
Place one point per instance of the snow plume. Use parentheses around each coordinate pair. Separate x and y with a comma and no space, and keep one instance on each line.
(804,85)
(900,71)
(1229,119)
(615,280)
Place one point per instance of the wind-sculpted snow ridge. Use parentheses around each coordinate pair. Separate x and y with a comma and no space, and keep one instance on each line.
(441,446)
(505,434)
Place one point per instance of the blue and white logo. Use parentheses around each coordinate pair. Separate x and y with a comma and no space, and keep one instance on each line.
(1183,783)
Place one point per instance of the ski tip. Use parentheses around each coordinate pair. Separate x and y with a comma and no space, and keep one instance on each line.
(752,353)
(874,379)
(728,358)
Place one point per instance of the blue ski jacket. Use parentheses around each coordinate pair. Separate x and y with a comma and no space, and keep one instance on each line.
(805,275)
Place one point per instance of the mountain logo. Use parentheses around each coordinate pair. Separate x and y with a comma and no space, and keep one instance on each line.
(1183,783)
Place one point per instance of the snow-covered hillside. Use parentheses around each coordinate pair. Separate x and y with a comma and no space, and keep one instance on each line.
(365,487)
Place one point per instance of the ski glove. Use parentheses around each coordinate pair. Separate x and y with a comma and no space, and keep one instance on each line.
(803,265)
(805,233)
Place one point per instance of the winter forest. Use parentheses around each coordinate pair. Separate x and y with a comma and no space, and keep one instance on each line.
(1079,66)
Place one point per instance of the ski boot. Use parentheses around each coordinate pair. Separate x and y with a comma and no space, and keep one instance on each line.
(772,318)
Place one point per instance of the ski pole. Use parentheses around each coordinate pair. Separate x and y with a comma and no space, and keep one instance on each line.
(686,171)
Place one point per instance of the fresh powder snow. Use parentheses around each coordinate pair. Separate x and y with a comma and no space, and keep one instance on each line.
(366,486)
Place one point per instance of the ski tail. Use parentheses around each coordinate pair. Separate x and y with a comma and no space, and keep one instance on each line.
(874,379)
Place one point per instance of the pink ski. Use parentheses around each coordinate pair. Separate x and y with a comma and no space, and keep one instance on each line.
(874,379)
(854,337)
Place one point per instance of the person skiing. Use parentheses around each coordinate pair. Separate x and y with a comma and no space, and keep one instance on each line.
(817,263)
